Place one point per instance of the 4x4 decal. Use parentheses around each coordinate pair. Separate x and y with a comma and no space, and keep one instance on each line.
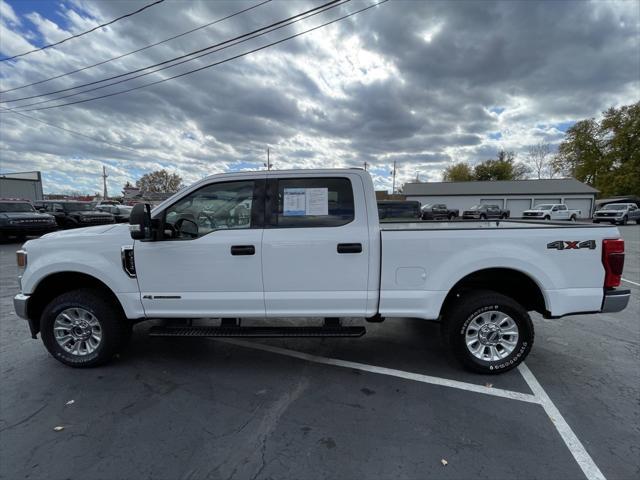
(572,245)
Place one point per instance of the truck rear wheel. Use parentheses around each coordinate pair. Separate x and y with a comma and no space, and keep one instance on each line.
(83,329)
(488,332)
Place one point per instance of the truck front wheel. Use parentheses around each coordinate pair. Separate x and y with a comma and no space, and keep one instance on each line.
(83,329)
(488,332)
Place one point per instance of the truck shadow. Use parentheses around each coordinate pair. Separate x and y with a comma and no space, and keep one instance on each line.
(410,345)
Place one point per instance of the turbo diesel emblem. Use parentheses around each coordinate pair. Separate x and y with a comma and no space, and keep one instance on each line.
(572,245)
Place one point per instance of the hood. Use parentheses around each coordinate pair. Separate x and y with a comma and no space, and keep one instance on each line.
(89,231)
(26,216)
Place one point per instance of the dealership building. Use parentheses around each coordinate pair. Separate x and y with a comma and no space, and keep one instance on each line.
(22,185)
(514,195)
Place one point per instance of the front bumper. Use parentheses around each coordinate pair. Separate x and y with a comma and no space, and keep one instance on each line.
(615,300)
(20,303)
(21,306)
(40,229)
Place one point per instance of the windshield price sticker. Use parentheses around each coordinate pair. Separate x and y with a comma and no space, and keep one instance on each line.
(305,202)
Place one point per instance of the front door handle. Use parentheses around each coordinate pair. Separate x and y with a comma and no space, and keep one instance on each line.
(349,248)
(243,250)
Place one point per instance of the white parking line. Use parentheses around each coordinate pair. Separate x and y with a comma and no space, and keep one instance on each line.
(574,445)
(539,397)
(444,382)
(632,283)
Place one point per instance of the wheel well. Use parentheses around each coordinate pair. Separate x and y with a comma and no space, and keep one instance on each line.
(58,283)
(509,282)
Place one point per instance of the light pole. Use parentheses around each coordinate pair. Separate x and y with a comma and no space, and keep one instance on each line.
(393,189)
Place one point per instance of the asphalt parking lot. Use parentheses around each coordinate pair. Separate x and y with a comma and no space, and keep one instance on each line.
(389,405)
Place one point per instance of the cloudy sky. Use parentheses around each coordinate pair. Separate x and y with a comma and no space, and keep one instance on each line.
(420,82)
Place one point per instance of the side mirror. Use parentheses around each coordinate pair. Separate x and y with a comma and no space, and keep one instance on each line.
(140,222)
(187,228)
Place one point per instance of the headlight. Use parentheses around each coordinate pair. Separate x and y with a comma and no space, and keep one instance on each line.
(21,259)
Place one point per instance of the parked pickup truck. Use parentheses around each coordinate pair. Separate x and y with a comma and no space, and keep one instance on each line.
(552,211)
(438,211)
(483,212)
(74,214)
(618,213)
(18,218)
(301,244)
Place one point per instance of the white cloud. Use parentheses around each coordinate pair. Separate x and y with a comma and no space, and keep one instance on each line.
(417,82)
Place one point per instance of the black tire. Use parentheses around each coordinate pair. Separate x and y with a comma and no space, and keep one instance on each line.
(596,221)
(547,217)
(483,217)
(467,308)
(115,329)
(573,218)
(624,221)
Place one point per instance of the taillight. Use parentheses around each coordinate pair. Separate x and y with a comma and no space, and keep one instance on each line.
(613,261)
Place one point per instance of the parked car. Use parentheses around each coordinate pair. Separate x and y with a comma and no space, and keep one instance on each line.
(19,219)
(438,211)
(483,212)
(120,212)
(398,211)
(74,214)
(619,213)
(552,211)
(312,246)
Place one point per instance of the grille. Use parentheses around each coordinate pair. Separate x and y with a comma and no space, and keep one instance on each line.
(21,221)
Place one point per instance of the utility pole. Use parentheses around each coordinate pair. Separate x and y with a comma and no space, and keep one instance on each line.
(365,165)
(393,189)
(104,183)
(268,164)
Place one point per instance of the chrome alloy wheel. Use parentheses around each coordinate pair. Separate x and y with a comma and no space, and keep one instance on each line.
(491,336)
(77,331)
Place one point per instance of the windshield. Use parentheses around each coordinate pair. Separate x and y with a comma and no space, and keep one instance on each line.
(544,207)
(77,206)
(615,206)
(16,207)
(426,206)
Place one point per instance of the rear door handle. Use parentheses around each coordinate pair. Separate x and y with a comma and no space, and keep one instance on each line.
(349,248)
(243,250)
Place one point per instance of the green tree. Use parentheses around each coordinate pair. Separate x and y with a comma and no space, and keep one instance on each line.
(160,181)
(458,172)
(504,167)
(604,154)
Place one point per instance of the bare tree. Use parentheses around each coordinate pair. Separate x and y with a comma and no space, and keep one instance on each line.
(540,157)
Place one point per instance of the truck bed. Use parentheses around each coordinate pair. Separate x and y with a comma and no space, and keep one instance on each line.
(423,261)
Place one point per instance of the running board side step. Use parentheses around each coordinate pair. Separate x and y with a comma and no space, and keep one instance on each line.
(257,332)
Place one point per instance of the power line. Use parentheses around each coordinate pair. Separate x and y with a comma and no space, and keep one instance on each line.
(290,22)
(83,33)
(212,64)
(175,58)
(71,131)
(137,50)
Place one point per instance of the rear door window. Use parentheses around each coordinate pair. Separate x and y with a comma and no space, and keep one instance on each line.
(311,202)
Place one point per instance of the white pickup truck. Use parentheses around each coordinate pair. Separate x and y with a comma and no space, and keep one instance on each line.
(552,211)
(301,244)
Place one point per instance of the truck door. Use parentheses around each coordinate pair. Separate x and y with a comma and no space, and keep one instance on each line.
(209,262)
(560,212)
(315,246)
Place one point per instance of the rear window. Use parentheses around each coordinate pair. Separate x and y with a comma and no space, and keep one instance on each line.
(313,202)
